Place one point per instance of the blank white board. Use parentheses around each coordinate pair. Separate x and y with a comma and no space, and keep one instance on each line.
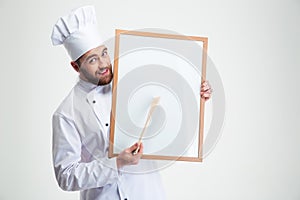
(171,66)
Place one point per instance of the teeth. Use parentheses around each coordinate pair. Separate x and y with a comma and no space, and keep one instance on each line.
(102,70)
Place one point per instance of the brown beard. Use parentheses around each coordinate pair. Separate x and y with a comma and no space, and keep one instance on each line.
(108,78)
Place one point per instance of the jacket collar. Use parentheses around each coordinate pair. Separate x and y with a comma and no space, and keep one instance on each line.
(91,89)
(86,86)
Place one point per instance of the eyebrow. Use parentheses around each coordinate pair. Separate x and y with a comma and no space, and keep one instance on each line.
(105,49)
(90,56)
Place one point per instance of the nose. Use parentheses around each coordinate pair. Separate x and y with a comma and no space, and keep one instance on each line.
(103,62)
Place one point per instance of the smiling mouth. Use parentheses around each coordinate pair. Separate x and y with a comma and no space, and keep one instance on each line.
(103,71)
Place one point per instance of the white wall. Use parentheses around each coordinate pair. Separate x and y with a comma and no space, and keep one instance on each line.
(255,47)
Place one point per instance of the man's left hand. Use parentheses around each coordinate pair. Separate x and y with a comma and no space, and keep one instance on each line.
(205,91)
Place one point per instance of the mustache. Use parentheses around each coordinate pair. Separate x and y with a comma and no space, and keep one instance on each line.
(101,69)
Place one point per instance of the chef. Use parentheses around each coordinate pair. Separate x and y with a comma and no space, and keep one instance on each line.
(81,122)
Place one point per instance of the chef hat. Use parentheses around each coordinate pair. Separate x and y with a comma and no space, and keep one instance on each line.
(77,31)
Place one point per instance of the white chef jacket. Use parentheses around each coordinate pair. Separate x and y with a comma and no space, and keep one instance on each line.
(80,149)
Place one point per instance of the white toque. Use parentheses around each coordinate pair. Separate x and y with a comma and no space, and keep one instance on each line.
(77,31)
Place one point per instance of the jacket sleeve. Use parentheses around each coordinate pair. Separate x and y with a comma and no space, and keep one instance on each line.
(72,174)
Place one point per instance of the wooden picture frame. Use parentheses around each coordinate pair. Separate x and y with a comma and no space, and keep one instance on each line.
(132,48)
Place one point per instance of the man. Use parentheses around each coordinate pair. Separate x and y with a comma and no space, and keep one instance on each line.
(81,123)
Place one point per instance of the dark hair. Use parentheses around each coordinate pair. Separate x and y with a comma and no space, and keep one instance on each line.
(78,61)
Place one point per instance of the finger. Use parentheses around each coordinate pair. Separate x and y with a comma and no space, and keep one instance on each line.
(133,147)
(205,95)
(207,87)
(207,91)
(204,83)
(141,149)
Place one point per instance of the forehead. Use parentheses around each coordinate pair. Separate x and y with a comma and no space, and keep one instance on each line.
(97,50)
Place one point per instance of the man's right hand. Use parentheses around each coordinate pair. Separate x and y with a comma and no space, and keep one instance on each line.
(126,157)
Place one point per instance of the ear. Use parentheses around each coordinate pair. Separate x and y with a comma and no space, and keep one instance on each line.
(75,66)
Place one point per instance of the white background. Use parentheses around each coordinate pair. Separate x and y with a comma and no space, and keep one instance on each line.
(255,47)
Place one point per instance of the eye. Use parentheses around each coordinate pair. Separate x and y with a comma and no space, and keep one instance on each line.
(104,53)
(92,60)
